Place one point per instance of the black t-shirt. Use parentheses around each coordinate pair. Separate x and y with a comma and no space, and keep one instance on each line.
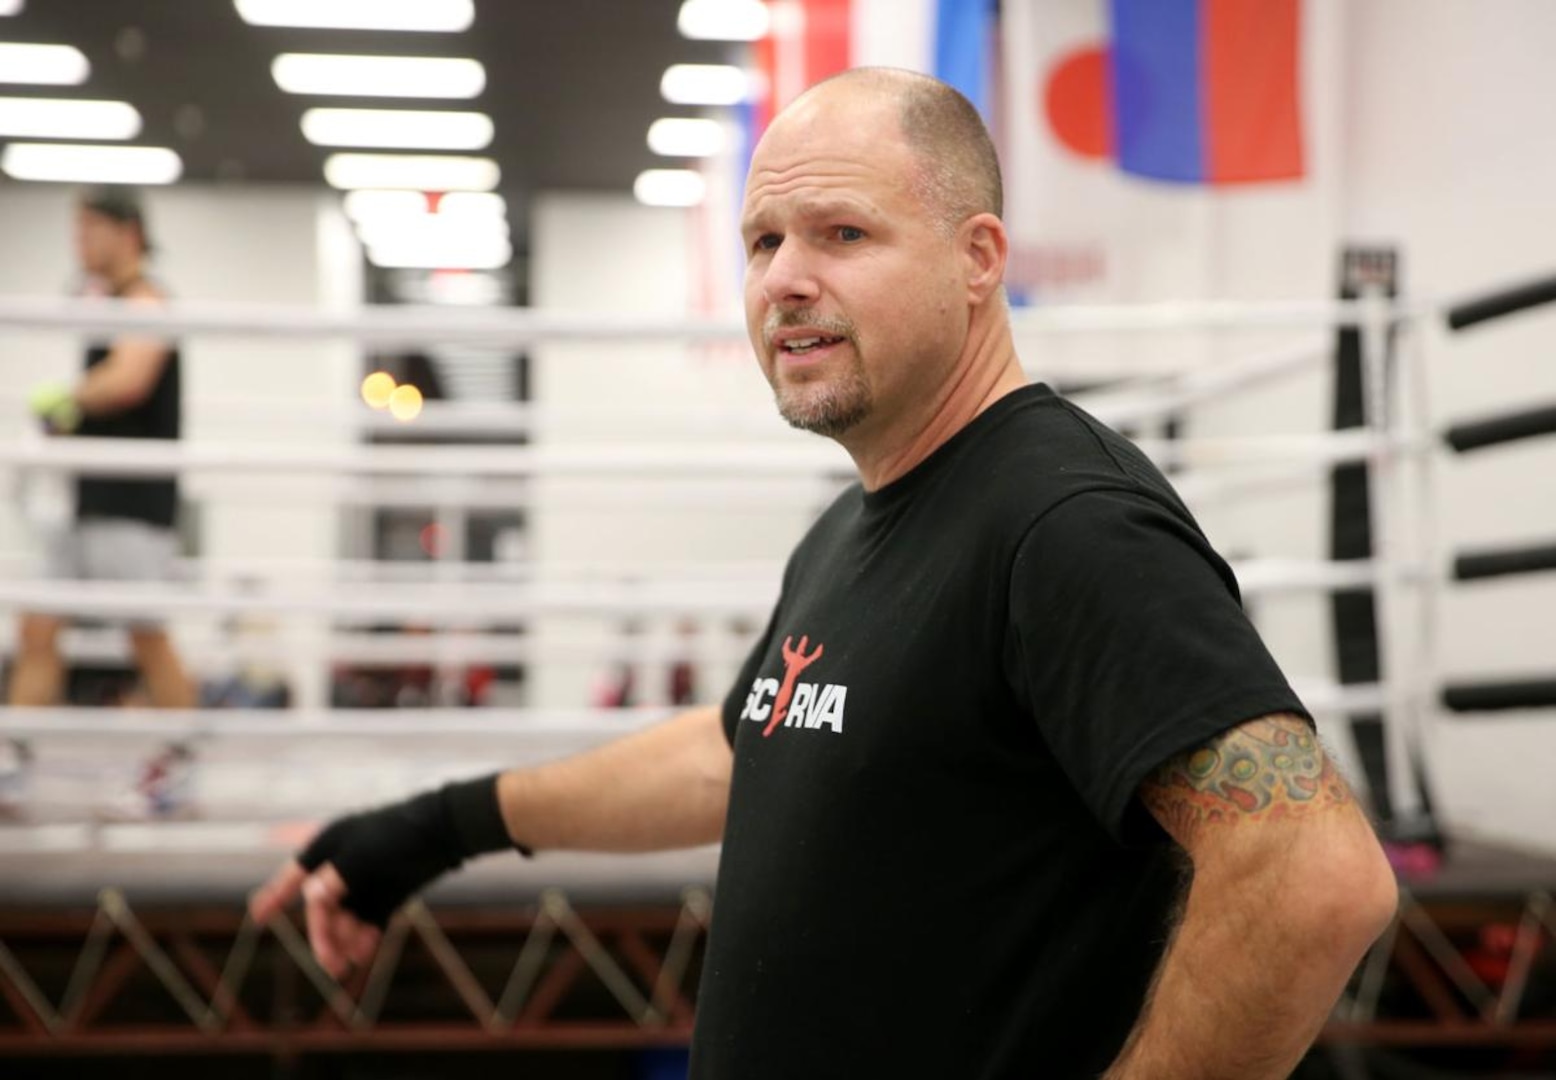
(150,499)
(934,864)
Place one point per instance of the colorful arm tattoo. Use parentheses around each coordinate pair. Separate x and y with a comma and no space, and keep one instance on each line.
(1268,769)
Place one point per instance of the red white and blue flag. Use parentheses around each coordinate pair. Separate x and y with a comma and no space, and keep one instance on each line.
(1159,149)
(1194,91)
(813,39)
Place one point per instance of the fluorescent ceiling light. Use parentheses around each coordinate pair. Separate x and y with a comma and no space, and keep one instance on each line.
(367,207)
(11,7)
(427,230)
(676,137)
(473,204)
(85,164)
(59,118)
(723,20)
(417,172)
(379,76)
(43,65)
(435,15)
(669,187)
(478,253)
(708,84)
(398,128)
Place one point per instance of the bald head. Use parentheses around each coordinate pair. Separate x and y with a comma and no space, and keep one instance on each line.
(958,170)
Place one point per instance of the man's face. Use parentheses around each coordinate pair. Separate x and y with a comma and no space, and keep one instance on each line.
(102,242)
(853,300)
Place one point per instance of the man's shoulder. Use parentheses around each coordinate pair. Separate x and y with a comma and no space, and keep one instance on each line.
(1043,450)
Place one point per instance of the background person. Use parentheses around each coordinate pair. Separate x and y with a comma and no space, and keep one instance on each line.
(123,528)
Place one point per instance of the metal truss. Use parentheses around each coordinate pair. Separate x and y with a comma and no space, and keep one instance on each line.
(149,983)
(1417,987)
(190,980)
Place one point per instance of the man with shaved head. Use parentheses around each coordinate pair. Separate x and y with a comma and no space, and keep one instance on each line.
(1009,786)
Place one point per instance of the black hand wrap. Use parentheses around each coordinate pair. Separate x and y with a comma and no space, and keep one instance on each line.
(385,855)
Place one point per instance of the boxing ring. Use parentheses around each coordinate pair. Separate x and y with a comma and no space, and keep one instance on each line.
(129,936)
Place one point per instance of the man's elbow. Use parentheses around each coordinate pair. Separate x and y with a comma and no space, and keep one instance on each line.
(1355,896)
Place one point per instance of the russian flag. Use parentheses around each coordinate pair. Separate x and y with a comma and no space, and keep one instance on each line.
(1191,91)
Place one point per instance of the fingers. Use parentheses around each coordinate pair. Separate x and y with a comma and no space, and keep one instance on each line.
(338,938)
(364,944)
(277,893)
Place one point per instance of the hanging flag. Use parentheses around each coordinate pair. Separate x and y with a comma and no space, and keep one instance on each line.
(1161,148)
(813,39)
(1193,91)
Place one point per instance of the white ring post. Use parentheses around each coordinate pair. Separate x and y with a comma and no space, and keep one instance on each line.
(1381,496)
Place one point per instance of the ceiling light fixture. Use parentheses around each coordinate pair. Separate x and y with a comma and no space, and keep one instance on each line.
(414,172)
(402,129)
(428,230)
(87,164)
(679,137)
(11,7)
(43,65)
(446,16)
(379,76)
(669,187)
(61,118)
(468,253)
(723,20)
(708,84)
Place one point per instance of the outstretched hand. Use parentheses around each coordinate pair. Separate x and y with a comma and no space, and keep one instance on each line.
(339,939)
(357,872)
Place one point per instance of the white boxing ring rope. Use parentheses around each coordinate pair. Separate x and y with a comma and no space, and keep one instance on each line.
(457,595)
(517,328)
(212,650)
(426,724)
(1168,392)
(143,458)
(448,604)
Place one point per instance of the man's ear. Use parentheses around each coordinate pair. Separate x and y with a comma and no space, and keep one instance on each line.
(985,247)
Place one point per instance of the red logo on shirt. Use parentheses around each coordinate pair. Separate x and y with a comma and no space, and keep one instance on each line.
(792,703)
(794,662)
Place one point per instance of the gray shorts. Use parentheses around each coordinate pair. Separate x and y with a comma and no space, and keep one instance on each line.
(113,549)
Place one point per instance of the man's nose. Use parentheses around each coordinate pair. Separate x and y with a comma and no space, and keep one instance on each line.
(789,278)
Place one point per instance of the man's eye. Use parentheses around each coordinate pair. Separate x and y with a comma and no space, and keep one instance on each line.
(850,234)
(766,242)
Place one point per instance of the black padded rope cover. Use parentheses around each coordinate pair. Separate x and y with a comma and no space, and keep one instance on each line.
(1504,694)
(1510,427)
(1502,302)
(1499,562)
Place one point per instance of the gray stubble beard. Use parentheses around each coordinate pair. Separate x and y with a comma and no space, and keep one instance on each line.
(829,409)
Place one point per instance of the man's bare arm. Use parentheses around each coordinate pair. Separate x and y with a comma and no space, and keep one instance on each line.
(1289,890)
(129,373)
(665,787)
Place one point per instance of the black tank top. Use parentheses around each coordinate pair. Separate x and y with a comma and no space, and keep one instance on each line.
(153,499)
